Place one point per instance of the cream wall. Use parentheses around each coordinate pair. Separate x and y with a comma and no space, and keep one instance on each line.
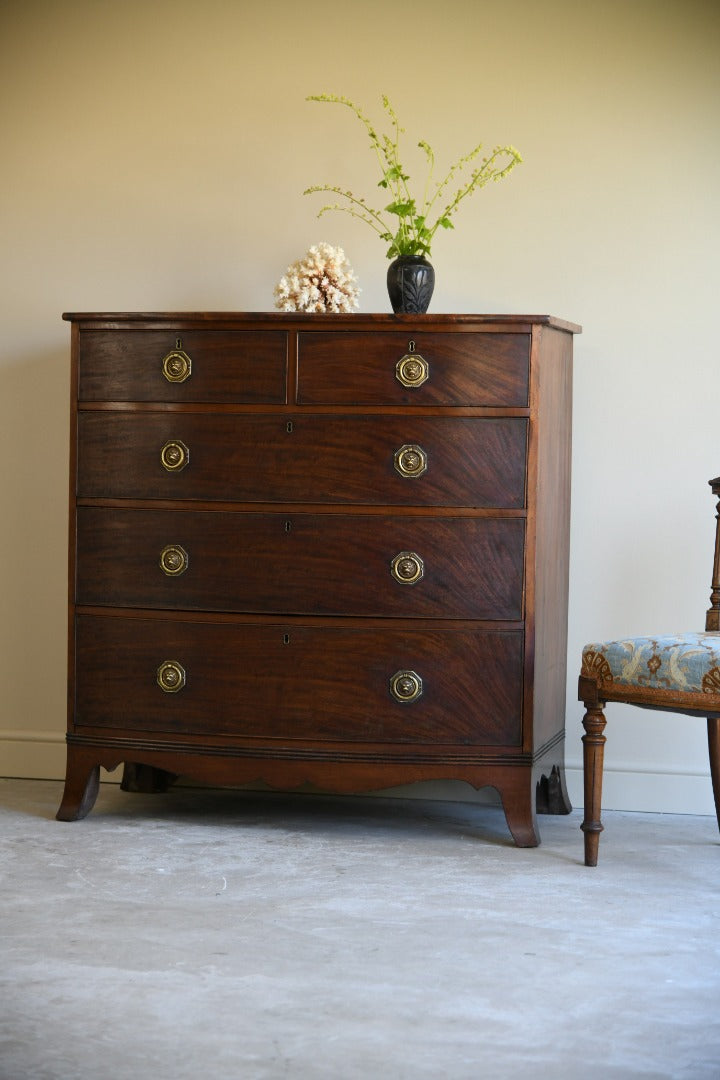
(154,154)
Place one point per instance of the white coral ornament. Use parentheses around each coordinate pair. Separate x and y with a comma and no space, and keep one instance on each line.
(323,281)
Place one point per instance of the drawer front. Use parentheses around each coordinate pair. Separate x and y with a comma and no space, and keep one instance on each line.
(441,369)
(465,568)
(386,460)
(188,366)
(289,682)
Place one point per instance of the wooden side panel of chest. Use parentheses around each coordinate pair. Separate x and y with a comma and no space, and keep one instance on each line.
(320,550)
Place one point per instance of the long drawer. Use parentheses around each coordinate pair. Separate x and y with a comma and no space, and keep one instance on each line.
(418,368)
(275,681)
(328,564)
(194,366)
(361,459)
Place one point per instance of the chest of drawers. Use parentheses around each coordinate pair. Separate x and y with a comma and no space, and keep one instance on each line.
(326,550)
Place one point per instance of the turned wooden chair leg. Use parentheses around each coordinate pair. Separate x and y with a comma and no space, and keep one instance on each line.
(593,753)
(713,725)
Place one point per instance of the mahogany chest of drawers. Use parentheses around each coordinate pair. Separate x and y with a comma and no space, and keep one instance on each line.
(320,549)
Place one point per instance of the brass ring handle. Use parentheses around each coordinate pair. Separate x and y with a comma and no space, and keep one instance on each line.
(410,460)
(412,370)
(177,366)
(174,560)
(406,687)
(171,676)
(407,567)
(174,455)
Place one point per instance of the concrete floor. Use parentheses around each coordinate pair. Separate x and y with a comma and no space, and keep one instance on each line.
(235,935)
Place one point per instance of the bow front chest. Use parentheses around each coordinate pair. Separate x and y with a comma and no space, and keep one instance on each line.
(320,549)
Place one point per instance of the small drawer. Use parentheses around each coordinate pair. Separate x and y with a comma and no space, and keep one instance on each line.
(323,564)
(420,368)
(185,366)
(269,681)
(363,459)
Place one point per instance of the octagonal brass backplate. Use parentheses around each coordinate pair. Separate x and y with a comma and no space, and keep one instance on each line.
(412,370)
(407,567)
(410,460)
(174,455)
(177,366)
(406,687)
(171,676)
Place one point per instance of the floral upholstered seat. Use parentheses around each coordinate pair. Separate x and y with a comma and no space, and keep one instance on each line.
(677,673)
(683,663)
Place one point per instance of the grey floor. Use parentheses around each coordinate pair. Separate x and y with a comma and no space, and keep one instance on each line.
(231,935)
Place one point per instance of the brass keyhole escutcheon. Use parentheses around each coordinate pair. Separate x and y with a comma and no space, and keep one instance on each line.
(171,676)
(412,370)
(410,460)
(174,560)
(174,455)
(406,687)
(407,567)
(177,366)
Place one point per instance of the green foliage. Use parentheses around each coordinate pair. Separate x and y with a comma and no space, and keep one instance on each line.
(413,231)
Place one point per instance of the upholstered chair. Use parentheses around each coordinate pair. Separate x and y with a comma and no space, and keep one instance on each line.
(678,673)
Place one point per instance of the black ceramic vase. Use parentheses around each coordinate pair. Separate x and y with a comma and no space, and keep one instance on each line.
(410,282)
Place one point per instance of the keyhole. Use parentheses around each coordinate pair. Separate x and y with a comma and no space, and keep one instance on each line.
(288,526)
(286,639)
(289,427)
(178,343)
(411,346)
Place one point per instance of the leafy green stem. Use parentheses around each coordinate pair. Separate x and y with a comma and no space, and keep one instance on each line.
(413,233)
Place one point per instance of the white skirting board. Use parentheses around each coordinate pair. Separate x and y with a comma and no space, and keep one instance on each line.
(40,755)
(35,755)
(648,791)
